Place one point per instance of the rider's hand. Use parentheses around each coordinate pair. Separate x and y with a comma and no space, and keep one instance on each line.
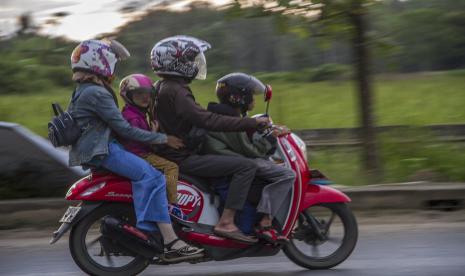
(155,126)
(265,120)
(174,142)
(276,133)
(262,123)
(280,130)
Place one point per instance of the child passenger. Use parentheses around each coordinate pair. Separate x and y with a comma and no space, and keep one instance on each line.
(137,91)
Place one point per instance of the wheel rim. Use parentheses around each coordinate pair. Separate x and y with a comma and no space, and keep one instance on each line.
(331,233)
(98,254)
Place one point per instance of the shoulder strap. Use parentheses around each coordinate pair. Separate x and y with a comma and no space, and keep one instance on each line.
(153,104)
(57,109)
(73,96)
(157,86)
(112,92)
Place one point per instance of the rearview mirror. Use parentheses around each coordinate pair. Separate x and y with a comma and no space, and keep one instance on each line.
(268,93)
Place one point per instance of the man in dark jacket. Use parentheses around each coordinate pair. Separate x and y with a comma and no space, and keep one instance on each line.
(178,60)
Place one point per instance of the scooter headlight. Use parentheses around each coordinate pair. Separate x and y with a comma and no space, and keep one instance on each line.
(301,144)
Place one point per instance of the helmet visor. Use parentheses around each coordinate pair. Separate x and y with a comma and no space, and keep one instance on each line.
(120,51)
(257,87)
(201,64)
(143,90)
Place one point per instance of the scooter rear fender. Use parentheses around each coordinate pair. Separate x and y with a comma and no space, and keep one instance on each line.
(85,210)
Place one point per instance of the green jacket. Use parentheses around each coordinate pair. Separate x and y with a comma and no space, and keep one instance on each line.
(236,143)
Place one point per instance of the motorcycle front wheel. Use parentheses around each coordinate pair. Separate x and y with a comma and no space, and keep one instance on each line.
(87,246)
(324,236)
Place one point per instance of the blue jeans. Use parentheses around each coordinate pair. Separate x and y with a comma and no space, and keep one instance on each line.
(148,186)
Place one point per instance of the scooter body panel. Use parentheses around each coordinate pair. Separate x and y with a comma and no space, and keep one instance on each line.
(101,187)
(197,205)
(317,194)
(200,207)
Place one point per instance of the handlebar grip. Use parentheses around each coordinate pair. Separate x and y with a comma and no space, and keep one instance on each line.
(262,127)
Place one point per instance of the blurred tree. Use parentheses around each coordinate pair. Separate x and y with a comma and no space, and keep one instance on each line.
(356,11)
(331,18)
(32,63)
(427,34)
(25,24)
(248,44)
(405,36)
(55,19)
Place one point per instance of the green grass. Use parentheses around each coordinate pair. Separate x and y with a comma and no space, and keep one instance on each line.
(422,99)
(402,162)
(417,159)
(418,99)
(340,165)
(32,110)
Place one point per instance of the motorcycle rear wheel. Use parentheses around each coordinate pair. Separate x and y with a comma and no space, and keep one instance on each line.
(80,244)
(326,216)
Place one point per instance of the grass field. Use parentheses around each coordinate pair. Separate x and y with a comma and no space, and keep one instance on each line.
(418,99)
(415,100)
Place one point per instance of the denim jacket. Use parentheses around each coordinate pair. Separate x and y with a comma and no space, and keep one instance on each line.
(95,111)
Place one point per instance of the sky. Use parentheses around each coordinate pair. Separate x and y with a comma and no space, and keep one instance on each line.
(86,19)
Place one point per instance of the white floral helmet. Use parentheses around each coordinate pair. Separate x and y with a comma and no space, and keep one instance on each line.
(180,56)
(98,56)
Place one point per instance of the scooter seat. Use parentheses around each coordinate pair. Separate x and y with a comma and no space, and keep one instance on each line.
(201,183)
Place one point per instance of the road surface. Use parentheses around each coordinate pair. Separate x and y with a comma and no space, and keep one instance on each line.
(430,244)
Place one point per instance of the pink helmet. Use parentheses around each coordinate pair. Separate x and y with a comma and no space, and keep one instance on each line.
(134,82)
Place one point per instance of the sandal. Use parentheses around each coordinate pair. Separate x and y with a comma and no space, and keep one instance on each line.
(270,235)
(186,252)
(236,235)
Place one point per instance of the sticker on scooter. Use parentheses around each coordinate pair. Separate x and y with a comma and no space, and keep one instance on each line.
(190,201)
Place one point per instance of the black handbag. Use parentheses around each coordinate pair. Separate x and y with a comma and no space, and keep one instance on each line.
(62,129)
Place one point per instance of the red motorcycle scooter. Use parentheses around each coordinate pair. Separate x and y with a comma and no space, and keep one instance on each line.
(321,229)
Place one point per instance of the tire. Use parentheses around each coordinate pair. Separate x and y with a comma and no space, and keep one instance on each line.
(349,240)
(79,249)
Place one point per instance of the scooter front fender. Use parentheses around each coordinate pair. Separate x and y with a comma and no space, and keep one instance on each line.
(317,194)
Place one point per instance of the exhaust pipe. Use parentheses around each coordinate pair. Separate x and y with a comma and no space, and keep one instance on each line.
(130,238)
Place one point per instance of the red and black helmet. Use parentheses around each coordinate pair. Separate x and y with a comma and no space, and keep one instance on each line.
(237,90)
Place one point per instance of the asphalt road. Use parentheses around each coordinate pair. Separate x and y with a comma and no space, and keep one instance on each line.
(428,245)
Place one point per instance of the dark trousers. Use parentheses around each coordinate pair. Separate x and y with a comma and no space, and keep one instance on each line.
(242,171)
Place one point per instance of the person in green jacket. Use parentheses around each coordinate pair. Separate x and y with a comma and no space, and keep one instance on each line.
(235,93)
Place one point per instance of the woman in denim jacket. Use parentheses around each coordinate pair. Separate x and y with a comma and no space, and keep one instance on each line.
(94,107)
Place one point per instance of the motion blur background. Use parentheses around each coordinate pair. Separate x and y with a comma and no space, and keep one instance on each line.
(415,51)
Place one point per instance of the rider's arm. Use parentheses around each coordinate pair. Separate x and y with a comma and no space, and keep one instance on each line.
(136,122)
(105,107)
(265,145)
(216,144)
(236,143)
(188,109)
